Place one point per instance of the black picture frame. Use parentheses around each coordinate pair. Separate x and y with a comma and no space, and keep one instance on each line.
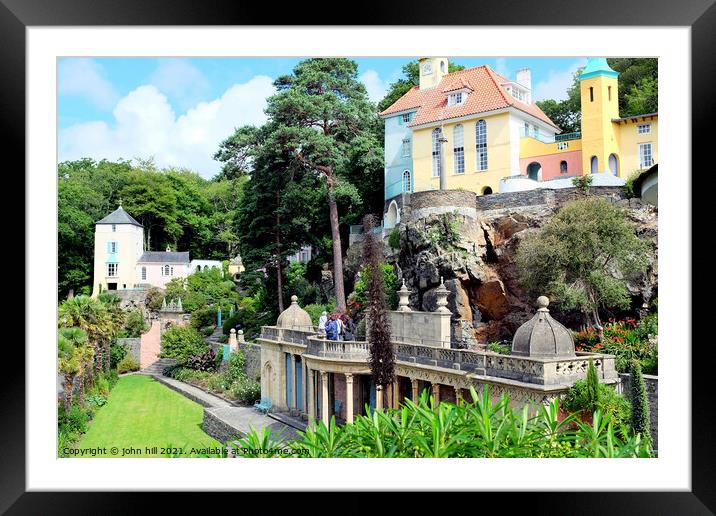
(699,15)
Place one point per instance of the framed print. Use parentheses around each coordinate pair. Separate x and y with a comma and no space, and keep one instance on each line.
(437,237)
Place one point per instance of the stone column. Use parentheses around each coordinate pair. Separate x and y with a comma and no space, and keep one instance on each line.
(458,395)
(233,343)
(349,397)
(396,393)
(311,409)
(324,398)
(304,394)
(443,172)
(414,385)
(378,397)
(241,337)
(436,393)
(293,384)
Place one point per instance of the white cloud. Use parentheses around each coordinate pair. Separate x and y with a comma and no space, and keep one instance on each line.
(180,81)
(377,88)
(501,67)
(146,126)
(84,77)
(557,83)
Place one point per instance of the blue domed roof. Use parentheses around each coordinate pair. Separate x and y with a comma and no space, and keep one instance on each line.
(597,66)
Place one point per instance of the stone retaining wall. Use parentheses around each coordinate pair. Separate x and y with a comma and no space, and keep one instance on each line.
(652,393)
(437,198)
(133,346)
(544,196)
(252,352)
(217,428)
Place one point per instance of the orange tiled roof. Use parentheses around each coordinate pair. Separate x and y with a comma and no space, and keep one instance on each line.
(487,96)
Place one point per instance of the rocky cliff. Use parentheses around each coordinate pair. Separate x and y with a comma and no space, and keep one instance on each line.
(476,258)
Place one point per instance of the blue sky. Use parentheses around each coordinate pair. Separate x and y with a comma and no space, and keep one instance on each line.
(177,110)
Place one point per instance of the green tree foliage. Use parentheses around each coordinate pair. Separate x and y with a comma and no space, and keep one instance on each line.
(182,343)
(643,97)
(562,113)
(178,209)
(583,257)
(411,77)
(135,324)
(640,420)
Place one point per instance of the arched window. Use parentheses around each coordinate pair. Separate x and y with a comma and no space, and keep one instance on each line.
(407,184)
(486,191)
(442,66)
(534,170)
(614,164)
(481,144)
(437,135)
(458,149)
(594,165)
(562,167)
(167,270)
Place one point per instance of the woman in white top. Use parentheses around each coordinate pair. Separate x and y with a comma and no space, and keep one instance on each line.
(322,322)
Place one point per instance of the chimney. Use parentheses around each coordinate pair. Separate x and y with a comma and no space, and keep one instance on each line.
(524,77)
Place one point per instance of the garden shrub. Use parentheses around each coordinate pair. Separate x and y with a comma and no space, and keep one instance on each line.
(583,182)
(204,362)
(394,239)
(246,390)
(237,366)
(74,421)
(207,331)
(224,338)
(116,353)
(182,343)
(219,357)
(101,385)
(203,317)
(96,400)
(246,317)
(127,364)
(498,347)
(610,402)
(360,329)
(135,324)
(155,296)
(625,341)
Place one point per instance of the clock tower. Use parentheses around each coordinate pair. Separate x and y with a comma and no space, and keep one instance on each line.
(432,70)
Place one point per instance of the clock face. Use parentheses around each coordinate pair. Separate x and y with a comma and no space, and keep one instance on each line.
(428,67)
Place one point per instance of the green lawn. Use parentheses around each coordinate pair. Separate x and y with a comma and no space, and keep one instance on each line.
(142,413)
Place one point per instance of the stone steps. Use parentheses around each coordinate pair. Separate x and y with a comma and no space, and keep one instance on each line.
(156,368)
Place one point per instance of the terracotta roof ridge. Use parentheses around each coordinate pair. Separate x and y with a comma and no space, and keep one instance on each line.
(492,74)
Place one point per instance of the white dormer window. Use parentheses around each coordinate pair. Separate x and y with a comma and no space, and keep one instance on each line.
(457,98)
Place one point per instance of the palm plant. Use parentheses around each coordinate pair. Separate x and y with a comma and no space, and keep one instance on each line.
(89,314)
(73,353)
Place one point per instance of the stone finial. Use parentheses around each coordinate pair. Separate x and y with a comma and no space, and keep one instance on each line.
(403,293)
(180,308)
(542,336)
(164,303)
(241,336)
(442,293)
(233,343)
(294,299)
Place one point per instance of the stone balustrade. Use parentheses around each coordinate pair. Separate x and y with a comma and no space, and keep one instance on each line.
(338,349)
(287,335)
(530,370)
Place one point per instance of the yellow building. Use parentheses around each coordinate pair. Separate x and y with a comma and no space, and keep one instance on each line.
(485,133)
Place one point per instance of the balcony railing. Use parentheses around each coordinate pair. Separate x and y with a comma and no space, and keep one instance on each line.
(564,137)
(338,349)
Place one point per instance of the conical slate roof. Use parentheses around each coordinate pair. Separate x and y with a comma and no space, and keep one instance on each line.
(119,216)
(294,317)
(542,336)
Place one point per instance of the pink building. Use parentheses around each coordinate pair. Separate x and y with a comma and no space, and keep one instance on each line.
(157,268)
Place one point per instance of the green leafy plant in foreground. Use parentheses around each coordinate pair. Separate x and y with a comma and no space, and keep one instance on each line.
(478,428)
